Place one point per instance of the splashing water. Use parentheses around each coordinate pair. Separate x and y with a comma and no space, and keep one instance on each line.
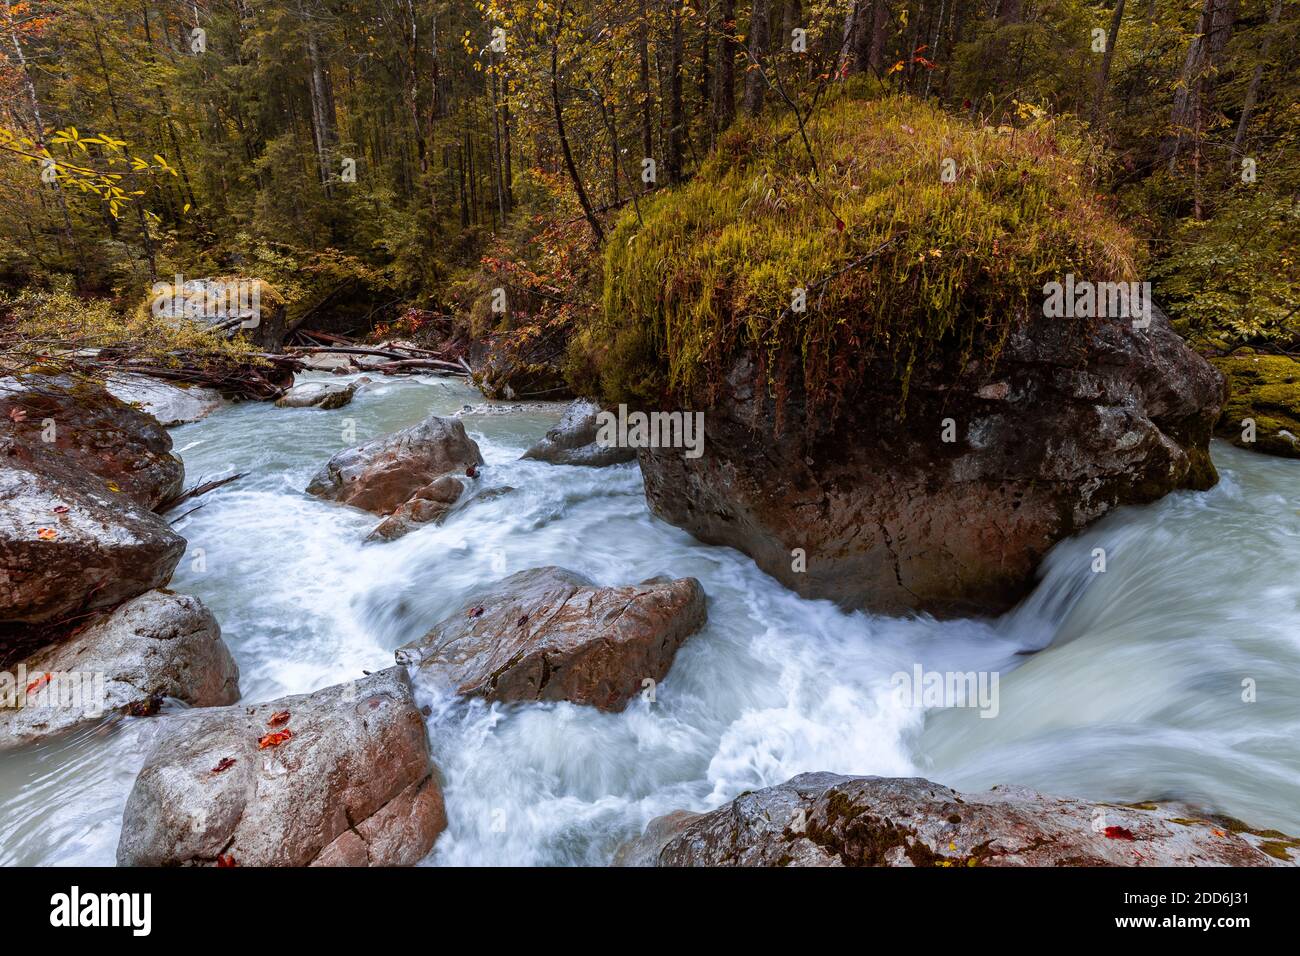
(1125,684)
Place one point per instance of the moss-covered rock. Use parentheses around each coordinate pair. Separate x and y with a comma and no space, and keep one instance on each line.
(896,260)
(1264,389)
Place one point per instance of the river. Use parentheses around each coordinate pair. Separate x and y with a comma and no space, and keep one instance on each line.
(1129,684)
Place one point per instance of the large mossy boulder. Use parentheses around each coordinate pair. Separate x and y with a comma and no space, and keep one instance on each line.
(892,419)
(1263,408)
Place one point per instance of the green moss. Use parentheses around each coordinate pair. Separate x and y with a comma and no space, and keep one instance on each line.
(1265,388)
(896,263)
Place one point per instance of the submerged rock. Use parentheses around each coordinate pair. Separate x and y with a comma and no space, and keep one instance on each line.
(824,819)
(340,777)
(324,395)
(171,404)
(573,440)
(159,645)
(1263,391)
(551,634)
(950,508)
(384,473)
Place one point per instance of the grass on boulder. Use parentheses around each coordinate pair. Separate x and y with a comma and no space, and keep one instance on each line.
(896,263)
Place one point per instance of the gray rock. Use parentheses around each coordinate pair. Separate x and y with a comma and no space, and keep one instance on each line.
(824,819)
(385,472)
(551,634)
(68,544)
(159,645)
(171,404)
(350,783)
(430,504)
(324,395)
(573,440)
(1071,422)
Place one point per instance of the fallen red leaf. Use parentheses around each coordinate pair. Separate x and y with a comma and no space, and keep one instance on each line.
(225,861)
(274,740)
(17,414)
(39,682)
(475,611)
(278,719)
(1119,833)
(60,509)
(46,534)
(224,764)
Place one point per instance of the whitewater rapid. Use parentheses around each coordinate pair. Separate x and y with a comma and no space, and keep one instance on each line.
(1121,685)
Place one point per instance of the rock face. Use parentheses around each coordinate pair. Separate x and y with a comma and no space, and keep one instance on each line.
(345,779)
(1264,389)
(91,431)
(170,404)
(551,634)
(384,473)
(324,395)
(824,819)
(573,440)
(429,504)
(155,646)
(891,516)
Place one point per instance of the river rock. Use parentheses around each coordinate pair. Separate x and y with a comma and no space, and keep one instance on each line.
(325,395)
(573,440)
(824,819)
(1264,394)
(91,431)
(171,405)
(340,777)
(68,544)
(551,634)
(159,645)
(429,504)
(384,473)
(880,511)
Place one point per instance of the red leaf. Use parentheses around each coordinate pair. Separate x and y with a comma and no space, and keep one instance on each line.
(274,740)
(60,509)
(278,719)
(39,683)
(224,764)
(475,611)
(1119,833)
(225,861)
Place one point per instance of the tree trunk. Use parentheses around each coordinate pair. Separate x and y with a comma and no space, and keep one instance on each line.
(676,120)
(1252,92)
(724,85)
(563,136)
(759,42)
(1103,77)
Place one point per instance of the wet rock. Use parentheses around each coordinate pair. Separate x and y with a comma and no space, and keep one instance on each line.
(824,819)
(80,423)
(230,305)
(384,473)
(324,395)
(68,544)
(347,780)
(430,504)
(573,440)
(551,634)
(171,404)
(159,645)
(1263,391)
(950,508)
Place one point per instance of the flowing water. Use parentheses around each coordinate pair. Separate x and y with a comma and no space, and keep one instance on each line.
(1128,684)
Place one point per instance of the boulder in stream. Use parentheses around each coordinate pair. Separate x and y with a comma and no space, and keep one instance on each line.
(323,395)
(171,404)
(551,634)
(384,473)
(156,646)
(339,777)
(824,819)
(573,440)
(429,504)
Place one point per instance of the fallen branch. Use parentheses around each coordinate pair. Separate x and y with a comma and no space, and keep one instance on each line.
(200,489)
